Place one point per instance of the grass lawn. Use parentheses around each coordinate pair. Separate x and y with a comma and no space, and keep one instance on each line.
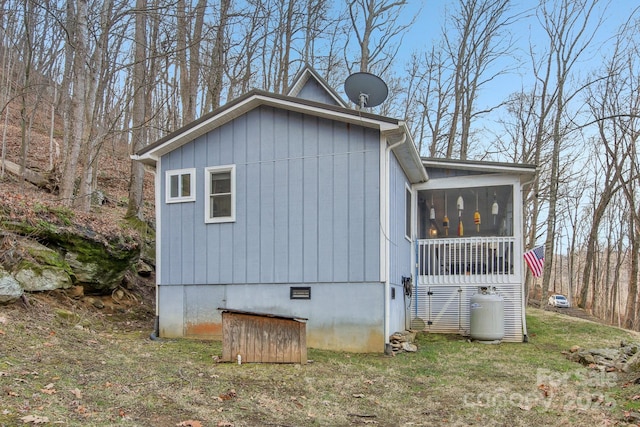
(93,370)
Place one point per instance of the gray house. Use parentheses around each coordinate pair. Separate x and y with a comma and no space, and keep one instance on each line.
(299,206)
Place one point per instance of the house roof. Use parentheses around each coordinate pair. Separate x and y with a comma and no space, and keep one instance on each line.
(393,129)
(525,171)
(305,76)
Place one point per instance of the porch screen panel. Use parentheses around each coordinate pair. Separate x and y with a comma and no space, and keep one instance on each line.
(472,260)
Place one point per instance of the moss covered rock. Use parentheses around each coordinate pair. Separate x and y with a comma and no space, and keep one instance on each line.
(10,289)
(99,274)
(35,277)
(40,268)
(95,254)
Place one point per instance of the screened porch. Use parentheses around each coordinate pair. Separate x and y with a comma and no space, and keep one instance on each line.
(465,236)
(468,235)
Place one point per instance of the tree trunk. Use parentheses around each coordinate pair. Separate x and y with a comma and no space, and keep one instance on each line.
(216,72)
(631,310)
(77,104)
(27,48)
(138,131)
(94,102)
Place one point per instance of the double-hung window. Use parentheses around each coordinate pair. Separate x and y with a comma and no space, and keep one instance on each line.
(181,185)
(220,194)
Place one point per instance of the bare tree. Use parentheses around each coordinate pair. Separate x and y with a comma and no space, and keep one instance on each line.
(631,188)
(607,98)
(27,64)
(316,26)
(631,309)
(431,91)
(376,26)
(189,38)
(74,117)
(474,38)
(216,69)
(138,132)
(95,99)
(569,30)
(8,28)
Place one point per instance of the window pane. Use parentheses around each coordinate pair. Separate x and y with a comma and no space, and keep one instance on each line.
(220,206)
(174,186)
(221,182)
(186,185)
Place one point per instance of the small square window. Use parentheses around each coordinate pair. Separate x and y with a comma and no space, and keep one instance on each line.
(181,185)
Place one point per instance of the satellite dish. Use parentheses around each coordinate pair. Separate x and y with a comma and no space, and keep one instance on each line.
(365,89)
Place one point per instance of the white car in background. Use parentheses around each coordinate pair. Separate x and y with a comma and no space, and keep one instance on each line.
(558,301)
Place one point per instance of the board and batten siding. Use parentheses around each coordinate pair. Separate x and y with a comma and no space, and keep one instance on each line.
(307,214)
(307,204)
(313,91)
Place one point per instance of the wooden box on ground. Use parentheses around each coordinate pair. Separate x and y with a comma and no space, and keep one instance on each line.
(261,337)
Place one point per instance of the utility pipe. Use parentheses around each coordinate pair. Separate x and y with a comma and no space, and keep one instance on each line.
(387,207)
(155,334)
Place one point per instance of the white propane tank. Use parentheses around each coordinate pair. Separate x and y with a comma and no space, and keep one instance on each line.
(487,316)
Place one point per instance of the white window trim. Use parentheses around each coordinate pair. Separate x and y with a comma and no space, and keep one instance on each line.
(207,195)
(192,180)
(409,212)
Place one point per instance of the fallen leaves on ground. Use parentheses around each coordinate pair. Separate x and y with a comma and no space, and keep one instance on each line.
(295,401)
(34,419)
(545,390)
(228,395)
(189,423)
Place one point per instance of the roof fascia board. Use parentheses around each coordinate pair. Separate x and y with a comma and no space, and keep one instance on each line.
(480,166)
(348,116)
(469,181)
(406,153)
(415,155)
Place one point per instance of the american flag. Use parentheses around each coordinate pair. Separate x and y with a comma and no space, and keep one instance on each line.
(535,260)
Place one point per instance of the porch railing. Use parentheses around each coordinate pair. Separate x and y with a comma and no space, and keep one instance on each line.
(473,260)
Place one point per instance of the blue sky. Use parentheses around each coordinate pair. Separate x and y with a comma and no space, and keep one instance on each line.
(431,18)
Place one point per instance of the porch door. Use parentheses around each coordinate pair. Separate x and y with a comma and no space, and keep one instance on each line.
(441,309)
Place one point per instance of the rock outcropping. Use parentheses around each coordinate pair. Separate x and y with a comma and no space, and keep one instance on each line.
(51,250)
(625,358)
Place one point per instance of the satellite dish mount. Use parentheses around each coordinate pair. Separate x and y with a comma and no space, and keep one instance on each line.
(363,98)
(365,89)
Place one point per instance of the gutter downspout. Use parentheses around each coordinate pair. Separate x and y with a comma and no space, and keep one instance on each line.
(387,284)
(525,336)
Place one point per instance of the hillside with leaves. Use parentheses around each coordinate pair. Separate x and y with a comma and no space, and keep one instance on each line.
(65,365)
